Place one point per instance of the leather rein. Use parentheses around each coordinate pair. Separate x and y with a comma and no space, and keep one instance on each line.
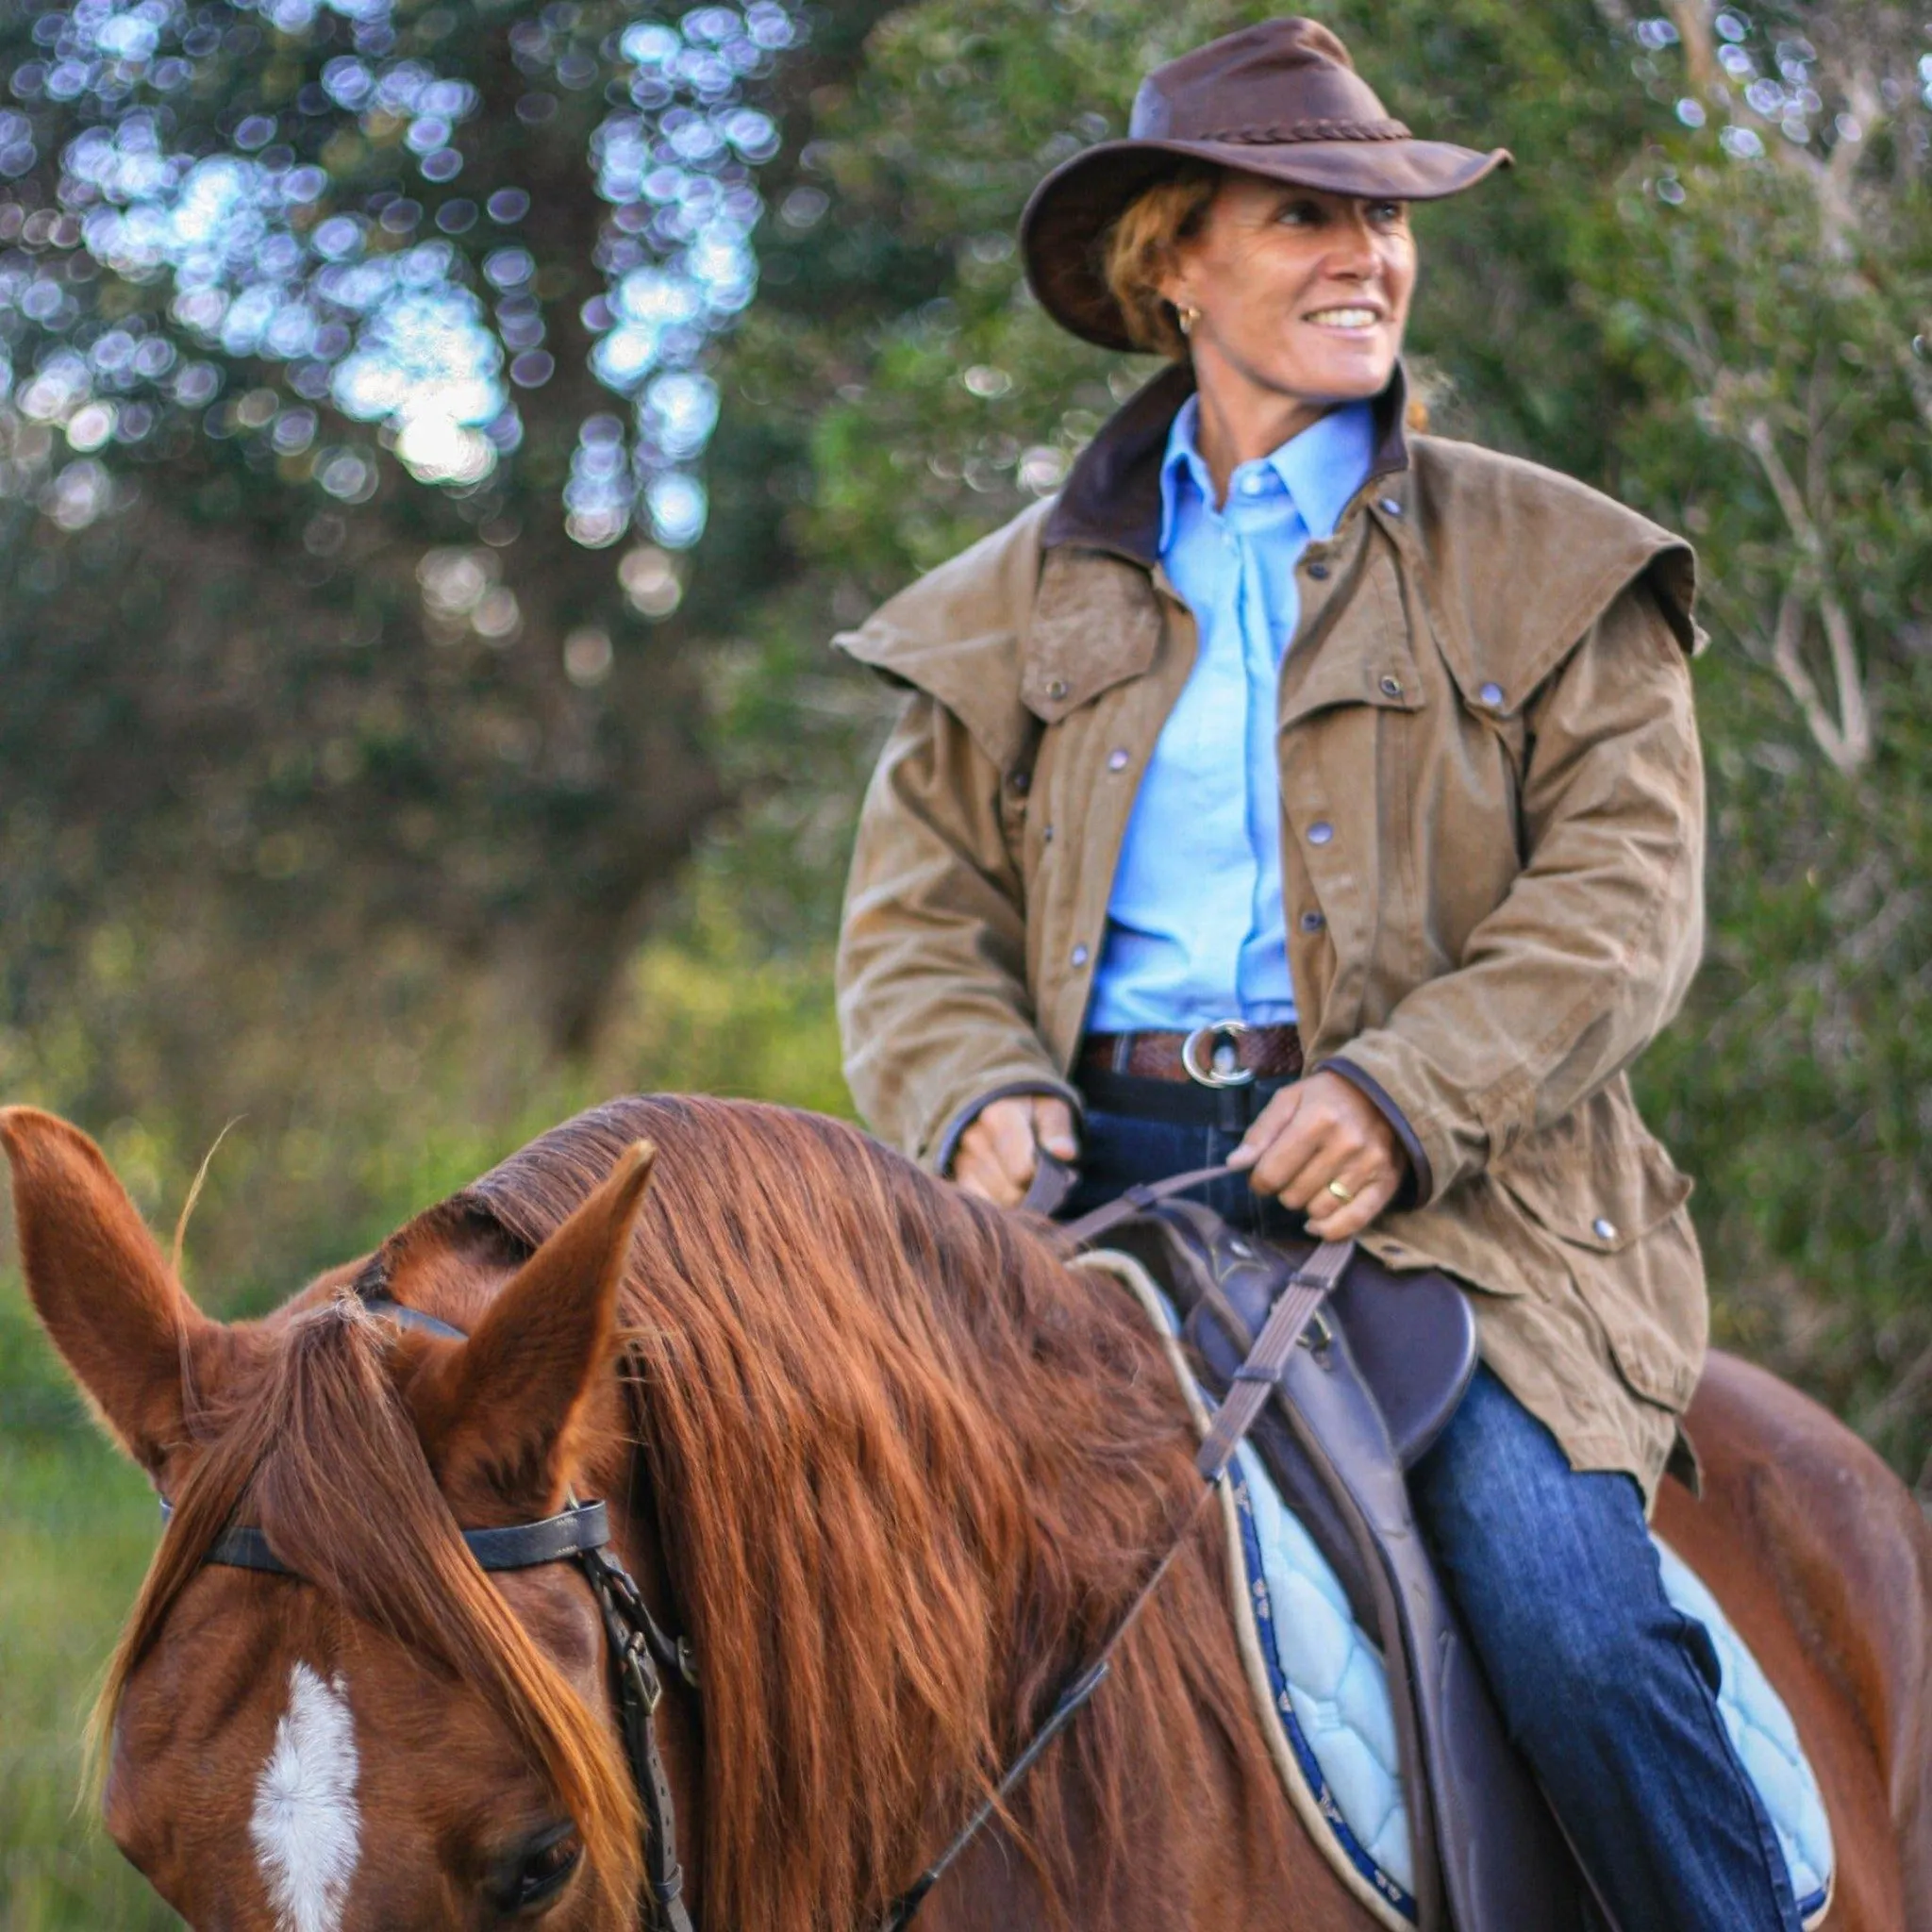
(580,1533)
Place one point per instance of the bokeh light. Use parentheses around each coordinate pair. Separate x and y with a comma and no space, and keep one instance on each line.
(419,315)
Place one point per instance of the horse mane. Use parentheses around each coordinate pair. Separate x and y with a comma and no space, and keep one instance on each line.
(315,1444)
(907,1468)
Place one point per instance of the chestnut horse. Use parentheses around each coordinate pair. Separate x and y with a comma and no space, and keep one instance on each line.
(894,1467)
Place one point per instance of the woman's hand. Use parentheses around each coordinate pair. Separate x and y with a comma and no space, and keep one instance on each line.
(997,1154)
(1323,1129)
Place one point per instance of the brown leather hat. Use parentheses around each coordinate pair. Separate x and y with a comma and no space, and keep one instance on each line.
(1281,99)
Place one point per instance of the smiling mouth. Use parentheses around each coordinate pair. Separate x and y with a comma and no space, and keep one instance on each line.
(1352,318)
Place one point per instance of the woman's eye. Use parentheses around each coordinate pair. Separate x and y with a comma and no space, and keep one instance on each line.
(1301,214)
(541,1873)
(1389,214)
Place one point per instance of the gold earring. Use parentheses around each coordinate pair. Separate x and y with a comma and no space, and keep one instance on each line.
(1187,315)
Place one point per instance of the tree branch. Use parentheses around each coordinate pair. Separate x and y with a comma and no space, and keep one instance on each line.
(1845,740)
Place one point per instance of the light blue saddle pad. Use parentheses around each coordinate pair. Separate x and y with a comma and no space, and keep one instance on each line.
(1331,1696)
(1328,1694)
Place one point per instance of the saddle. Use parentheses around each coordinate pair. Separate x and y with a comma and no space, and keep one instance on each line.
(1383,1367)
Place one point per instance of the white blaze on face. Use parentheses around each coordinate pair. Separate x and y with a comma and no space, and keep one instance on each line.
(306,1827)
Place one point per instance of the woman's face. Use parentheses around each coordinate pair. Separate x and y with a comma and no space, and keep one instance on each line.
(1301,292)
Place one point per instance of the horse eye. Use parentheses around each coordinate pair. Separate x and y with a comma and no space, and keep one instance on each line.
(536,1875)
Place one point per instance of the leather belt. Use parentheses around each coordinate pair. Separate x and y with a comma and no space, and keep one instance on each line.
(1227,1053)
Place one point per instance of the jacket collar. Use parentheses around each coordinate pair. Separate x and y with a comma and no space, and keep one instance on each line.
(1111,500)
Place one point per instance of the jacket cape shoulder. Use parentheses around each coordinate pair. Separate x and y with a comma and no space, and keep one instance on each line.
(959,634)
(1516,563)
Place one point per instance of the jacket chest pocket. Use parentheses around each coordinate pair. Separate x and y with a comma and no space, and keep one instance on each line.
(1491,700)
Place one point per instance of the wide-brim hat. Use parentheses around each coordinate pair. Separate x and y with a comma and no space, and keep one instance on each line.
(1280,99)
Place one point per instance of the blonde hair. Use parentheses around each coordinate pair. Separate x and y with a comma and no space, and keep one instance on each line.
(1140,249)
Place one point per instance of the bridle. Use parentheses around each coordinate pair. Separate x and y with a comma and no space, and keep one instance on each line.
(580,1533)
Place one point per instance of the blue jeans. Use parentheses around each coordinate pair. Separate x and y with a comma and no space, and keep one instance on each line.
(1608,1691)
(1117,1150)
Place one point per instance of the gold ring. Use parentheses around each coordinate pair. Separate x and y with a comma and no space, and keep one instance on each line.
(1340,1193)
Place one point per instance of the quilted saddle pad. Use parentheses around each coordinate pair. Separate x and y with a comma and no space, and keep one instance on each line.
(1321,1685)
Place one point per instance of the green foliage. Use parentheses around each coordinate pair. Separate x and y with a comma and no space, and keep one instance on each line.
(1765,282)
(57,1621)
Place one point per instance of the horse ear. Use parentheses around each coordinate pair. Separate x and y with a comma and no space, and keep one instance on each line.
(97,1280)
(510,1409)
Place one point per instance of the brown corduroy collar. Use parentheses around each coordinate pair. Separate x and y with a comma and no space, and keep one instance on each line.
(1111,498)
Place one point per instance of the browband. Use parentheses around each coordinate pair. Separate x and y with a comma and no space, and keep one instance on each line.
(573,1532)
(522,1546)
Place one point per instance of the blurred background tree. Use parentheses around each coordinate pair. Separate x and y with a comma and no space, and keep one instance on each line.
(354,401)
(438,440)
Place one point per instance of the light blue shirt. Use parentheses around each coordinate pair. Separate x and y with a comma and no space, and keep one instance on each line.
(1195,928)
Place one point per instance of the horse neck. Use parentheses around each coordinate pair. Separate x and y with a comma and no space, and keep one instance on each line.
(932,1558)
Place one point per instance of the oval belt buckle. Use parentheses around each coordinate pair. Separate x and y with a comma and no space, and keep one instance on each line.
(1221,1039)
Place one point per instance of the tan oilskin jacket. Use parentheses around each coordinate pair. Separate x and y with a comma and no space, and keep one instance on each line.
(1491,848)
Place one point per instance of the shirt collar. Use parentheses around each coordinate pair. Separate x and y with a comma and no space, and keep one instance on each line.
(1321,468)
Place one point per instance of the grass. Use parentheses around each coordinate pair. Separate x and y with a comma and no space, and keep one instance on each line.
(77,1525)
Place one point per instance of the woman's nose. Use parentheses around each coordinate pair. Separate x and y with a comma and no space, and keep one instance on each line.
(1353,257)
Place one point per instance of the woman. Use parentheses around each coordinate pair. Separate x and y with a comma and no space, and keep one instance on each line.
(1293,791)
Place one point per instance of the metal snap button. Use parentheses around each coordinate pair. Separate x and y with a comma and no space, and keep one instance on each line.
(1117,759)
(1046,833)
(1491,694)
(1057,688)
(1313,921)
(1022,782)
(1321,832)
(1604,1230)
(1392,687)
(1318,570)
(1388,506)
(1079,955)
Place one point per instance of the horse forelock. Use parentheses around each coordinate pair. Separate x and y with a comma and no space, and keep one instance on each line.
(315,1445)
(908,1469)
